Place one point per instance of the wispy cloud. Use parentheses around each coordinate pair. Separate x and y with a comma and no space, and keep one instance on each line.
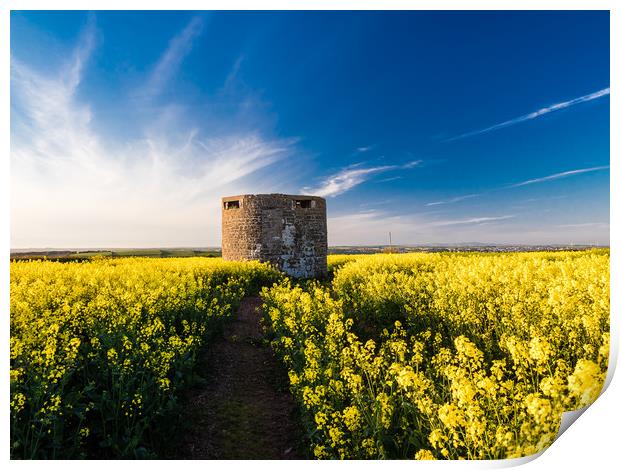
(345,180)
(365,149)
(469,221)
(586,224)
(170,61)
(534,114)
(556,176)
(411,164)
(352,176)
(453,200)
(387,180)
(71,186)
(372,226)
(382,202)
(548,198)
(233,76)
(82,53)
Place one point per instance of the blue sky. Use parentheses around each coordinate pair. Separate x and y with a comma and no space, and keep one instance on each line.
(128,127)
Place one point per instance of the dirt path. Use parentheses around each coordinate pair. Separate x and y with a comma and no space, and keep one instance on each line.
(243,409)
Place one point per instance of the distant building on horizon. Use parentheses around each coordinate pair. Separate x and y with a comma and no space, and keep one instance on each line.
(286,230)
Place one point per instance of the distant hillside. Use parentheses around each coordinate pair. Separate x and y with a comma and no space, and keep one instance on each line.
(83,254)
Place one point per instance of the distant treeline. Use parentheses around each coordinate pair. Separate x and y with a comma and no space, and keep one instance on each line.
(68,255)
(361,250)
(76,255)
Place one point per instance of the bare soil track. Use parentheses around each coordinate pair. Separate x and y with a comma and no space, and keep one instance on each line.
(242,409)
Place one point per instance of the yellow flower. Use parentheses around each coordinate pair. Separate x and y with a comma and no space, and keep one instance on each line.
(424,454)
(336,436)
(164,384)
(320,452)
(586,382)
(17,402)
(352,418)
(321,419)
(112,355)
(540,350)
(451,416)
(436,438)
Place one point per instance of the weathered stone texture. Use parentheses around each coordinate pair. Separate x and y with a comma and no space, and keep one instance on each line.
(288,231)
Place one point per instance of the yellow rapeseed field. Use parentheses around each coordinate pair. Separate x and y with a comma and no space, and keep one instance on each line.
(444,356)
(426,356)
(99,349)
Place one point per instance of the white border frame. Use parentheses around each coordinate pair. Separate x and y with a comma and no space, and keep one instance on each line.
(591,443)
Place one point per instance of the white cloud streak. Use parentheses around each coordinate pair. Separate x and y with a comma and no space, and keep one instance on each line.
(411,164)
(82,53)
(452,200)
(556,176)
(352,176)
(345,180)
(472,220)
(387,180)
(535,114)
(372,226)
(586,224)
(233,76)
(170,61)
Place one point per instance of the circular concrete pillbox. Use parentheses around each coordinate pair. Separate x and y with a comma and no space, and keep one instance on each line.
(286,230)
